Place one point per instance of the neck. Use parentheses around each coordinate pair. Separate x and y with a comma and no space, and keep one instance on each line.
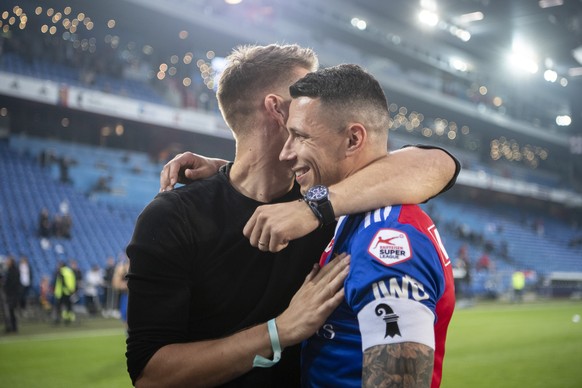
(360,162)
(257,172)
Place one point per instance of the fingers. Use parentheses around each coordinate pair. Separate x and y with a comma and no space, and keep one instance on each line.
(330,271)
(250,232)
(275,225)
(165,177)
(330,278)
(332,294)
(263,233)
(312,274)
(170,173)
(320,294)
(181,169)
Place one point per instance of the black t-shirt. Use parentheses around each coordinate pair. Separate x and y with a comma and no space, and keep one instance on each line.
(194,275)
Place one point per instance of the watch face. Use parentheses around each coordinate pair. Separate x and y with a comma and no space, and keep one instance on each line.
(316,193)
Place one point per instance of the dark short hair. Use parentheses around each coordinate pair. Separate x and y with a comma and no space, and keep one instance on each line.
(345,88)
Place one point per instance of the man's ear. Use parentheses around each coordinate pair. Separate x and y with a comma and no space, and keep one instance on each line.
(357,136)
(276,108)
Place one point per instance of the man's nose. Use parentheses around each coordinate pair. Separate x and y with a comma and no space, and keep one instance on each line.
(287,152)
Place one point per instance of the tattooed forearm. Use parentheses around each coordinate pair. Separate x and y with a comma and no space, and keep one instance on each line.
(398,365)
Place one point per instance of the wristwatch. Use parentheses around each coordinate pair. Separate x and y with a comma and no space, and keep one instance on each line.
(317,197)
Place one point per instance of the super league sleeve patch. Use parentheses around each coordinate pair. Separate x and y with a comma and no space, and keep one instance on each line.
(390,246)
(393,320)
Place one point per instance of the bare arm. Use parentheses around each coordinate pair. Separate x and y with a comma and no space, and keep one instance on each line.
(409,175)
(186,167)
(407,364)
(213,362)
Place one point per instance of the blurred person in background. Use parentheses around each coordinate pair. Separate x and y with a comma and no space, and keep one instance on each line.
(93,286)
(79,281)
(26,279)
(119,284)
(463,269)
(111,297)
(46,295)
(518,284)
(64,288)
(207,273)
(11,288)
(44,223)
(484,262)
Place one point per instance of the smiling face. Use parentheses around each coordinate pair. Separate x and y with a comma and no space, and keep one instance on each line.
(315,147)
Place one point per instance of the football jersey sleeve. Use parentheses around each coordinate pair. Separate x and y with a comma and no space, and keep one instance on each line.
(394,283)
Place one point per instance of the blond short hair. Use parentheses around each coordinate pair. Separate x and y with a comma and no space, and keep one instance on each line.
(253,71)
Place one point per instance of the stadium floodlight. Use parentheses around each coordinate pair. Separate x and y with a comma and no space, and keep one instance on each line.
(523,62)
(550,3)
(563,120)
(360,24)
(463,35)
(428,17)
(550,75)
(459,64)
(471,17)
(577,54)
(523,58)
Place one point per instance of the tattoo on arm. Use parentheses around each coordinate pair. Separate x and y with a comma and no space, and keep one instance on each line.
(407,364)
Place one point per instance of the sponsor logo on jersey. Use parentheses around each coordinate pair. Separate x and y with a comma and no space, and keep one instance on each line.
(390,318)
(404,287)
(390,246)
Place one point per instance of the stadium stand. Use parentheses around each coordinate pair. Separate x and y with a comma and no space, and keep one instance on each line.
(103,221)
(44,70)
(100,229)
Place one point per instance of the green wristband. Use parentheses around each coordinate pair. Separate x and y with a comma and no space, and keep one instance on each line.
(263,362)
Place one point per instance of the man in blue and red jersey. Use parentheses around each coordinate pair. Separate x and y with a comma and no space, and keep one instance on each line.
(390,329)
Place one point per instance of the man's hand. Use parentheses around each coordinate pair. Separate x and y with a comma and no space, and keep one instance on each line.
(187,167)
(271,227)
(321,292)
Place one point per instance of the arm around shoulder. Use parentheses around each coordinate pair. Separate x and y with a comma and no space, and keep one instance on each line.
(410,175)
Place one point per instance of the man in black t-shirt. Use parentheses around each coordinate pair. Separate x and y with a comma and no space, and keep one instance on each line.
(200,293)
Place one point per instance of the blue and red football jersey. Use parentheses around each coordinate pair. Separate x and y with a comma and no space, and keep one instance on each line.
(399,289)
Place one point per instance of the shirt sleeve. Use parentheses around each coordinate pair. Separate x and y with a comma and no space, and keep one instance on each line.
(394,283)
(453,180)
(158,281)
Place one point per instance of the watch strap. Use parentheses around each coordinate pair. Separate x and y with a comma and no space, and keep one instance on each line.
(326,211)
(316,212)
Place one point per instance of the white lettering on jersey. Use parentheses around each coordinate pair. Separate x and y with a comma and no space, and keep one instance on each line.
(390,246)
(405,287)
(326,331)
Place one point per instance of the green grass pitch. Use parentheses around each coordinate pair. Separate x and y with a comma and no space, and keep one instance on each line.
(505,345)
(489,345)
